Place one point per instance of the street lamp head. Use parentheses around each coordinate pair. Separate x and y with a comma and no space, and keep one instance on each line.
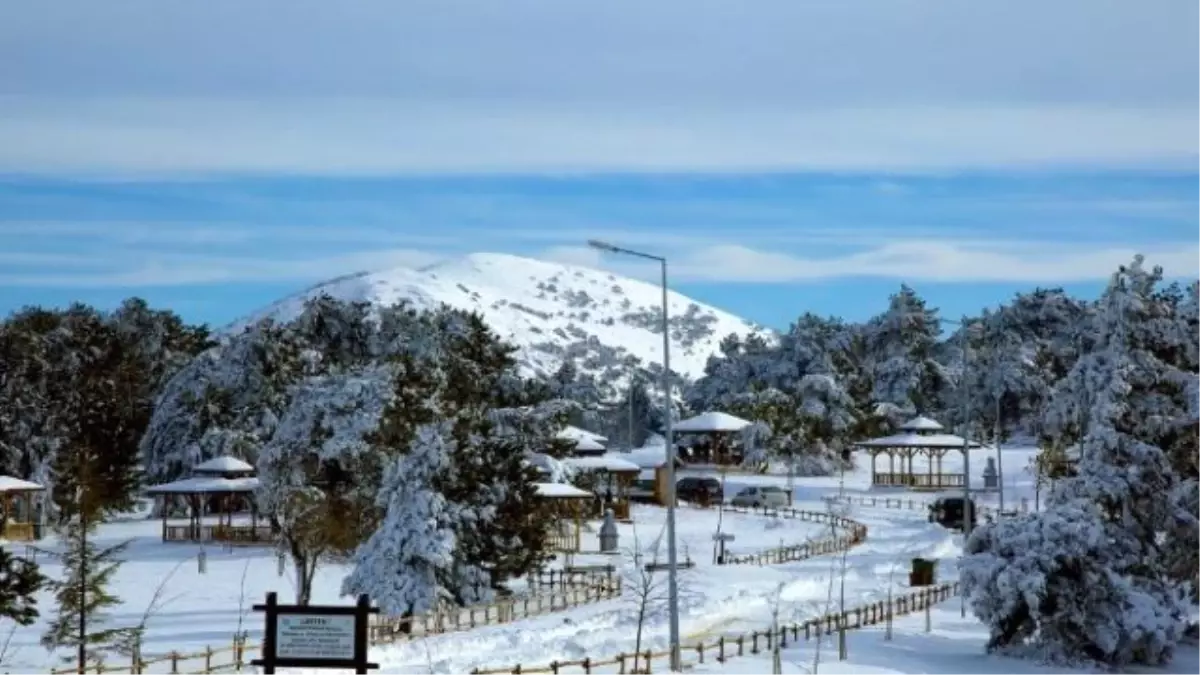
(603,246)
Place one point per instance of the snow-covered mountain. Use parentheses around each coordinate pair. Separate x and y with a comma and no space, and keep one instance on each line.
(550,311)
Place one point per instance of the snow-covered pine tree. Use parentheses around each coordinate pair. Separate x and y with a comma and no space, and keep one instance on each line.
(1090,578)
(901,345)
(1002,378)
(407,561)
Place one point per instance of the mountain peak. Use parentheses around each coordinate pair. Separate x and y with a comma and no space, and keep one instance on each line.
(550,311)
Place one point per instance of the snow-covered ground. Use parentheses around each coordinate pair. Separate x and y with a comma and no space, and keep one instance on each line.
(203,609)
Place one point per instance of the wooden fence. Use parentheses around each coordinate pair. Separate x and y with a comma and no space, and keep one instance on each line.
(551,591)
(725,648)
(856,533)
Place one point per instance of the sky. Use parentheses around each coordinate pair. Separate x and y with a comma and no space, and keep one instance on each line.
(784,156)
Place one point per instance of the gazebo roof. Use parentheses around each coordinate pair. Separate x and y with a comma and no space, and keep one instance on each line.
(609,463)
(575,434)
(912,440)
(561,491)
(10,484)
(205,485)
(710,422)
(225,464)
(921,423)
(649,457)
(586,444)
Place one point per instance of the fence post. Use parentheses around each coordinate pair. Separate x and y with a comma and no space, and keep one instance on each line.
(721,649)
(208,653)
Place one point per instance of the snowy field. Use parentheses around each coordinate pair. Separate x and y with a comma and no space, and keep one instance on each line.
(199,610)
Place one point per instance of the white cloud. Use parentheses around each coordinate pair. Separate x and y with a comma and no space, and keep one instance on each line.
(158,269)
(914,261)
(693,85)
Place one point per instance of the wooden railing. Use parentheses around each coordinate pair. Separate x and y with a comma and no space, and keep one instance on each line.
(919,481)
(552,590)
(18,531)
(233,534)
(725,648)
(563,543)
(572,590)
(856,533)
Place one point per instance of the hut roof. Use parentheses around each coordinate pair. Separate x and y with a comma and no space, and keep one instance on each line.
(225,464)
(205,485)
(610,463)
(921,423)
(710,422)
(10,484)
(912,440)
(561,491)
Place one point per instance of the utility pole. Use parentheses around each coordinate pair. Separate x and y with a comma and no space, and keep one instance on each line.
(999,454)
(632,384)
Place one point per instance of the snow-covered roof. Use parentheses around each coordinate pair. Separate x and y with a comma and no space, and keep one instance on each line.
(576,434)
(610,463)
(912,440)
(711,421)
(224,464)
(588,445)
(10,484)
(205,484)
(648,457)
(921,423)
(560,491)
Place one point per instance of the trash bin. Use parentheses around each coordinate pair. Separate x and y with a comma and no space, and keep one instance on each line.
(924,572)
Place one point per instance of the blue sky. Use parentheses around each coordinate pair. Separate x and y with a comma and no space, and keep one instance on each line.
(217,249)
(212,157)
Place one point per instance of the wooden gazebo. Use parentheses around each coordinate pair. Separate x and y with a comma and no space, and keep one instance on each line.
(719,427)
(566,504)
(19,507)
(224,485)
(612,479)
(923,437)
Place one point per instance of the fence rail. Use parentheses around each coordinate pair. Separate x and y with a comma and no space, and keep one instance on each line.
(856,534)
(552,590)
(725,648)
(628,662)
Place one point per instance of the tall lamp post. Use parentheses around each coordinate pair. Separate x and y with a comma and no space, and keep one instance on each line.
(668,440)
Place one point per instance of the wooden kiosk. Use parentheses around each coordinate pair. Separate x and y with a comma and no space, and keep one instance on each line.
(224,486)
(611,478)
(566,503)
(919,437)
(20,508)
(720,448)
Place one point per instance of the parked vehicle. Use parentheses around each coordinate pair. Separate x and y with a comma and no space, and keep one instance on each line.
(948,512)
(761,497)
(699,490)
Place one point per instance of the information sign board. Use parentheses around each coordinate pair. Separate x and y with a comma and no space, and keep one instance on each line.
(311,636)
(315,636)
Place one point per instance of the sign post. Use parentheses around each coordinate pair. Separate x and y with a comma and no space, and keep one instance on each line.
(316,636)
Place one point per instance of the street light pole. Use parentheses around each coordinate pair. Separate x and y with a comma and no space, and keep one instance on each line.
(669,442)
(968,511)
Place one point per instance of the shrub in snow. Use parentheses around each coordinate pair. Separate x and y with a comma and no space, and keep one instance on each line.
(1049,581)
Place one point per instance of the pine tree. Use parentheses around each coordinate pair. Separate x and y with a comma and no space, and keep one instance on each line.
(404,564)
(20,582)
(901,345)
(84,588)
